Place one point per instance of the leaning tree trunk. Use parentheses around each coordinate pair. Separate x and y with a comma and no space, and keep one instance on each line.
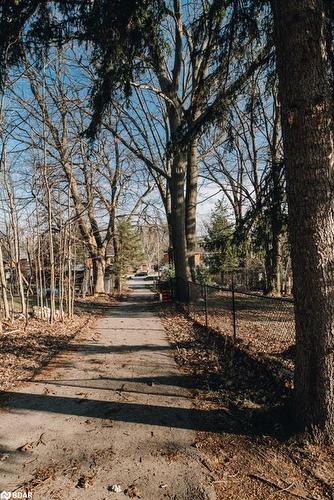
(307,121)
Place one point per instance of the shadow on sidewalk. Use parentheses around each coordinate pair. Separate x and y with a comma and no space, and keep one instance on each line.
(165,416)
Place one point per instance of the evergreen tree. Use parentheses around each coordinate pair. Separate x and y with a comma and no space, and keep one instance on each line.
(223,254)
(130,253)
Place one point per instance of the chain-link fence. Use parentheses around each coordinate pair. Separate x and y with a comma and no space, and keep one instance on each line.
(252,280)
(265,325)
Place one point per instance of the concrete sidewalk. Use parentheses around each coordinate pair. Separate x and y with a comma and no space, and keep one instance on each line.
(112,410)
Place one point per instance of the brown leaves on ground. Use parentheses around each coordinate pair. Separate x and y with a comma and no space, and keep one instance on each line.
(267,333)
(251,448)
(243,381)
(23,351)
(264,334)
(96,304)
(85,482)
(133,491)
(101,298)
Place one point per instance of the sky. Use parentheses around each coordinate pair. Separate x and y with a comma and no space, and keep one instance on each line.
(143,122)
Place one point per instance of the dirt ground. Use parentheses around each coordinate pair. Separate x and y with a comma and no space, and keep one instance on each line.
(25,349)
(255,454)
(112,411)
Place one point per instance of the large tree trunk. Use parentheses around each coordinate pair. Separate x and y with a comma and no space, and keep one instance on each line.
(98,273)
(117,269)
(191,204)
(178,224)
(168,210)
(307,121)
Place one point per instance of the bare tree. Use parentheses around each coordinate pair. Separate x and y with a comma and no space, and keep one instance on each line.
(97,176)
(187,90)
(245,160)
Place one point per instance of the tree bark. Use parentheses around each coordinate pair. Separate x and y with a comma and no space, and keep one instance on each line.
(274,256)
(98,273)
(275,278)
(117,270)
(4,287)
(191,204)
(307,123)
(168,210)
(178,223)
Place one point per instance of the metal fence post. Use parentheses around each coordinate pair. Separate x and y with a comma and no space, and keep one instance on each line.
(206,305)
(234,311)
